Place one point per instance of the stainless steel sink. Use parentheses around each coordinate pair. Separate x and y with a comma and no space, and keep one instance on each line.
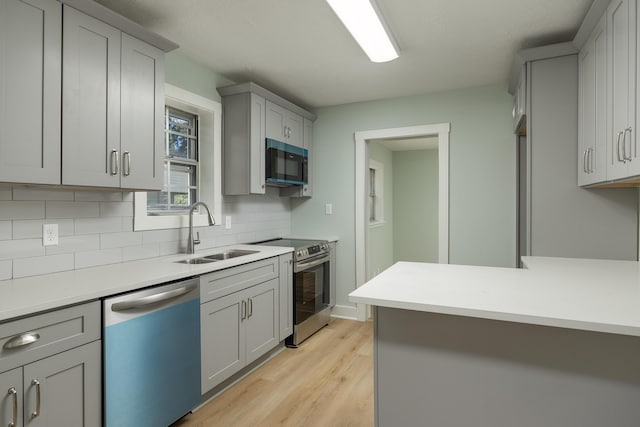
(217,257)
(196,261)
(229,254)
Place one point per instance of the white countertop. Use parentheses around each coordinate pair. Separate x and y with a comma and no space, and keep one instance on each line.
(20,297)
(593,295)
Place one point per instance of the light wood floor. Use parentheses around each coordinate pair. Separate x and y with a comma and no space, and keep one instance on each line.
(327,382)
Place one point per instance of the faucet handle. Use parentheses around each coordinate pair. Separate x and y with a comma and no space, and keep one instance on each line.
(196,241)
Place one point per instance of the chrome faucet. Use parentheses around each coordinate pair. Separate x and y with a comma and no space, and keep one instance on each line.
(191,242)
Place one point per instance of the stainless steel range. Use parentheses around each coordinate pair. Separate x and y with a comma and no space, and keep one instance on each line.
(311,286)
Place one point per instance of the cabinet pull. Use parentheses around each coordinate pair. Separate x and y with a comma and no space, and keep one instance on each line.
(624,143)
(115,162)
(250,307)
(14,393)
(21,340)
(243,310)
(584,161)
(126,163)
(36,413)
(590,160)
(618,145)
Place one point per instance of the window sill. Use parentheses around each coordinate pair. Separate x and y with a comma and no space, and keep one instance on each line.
(377,224)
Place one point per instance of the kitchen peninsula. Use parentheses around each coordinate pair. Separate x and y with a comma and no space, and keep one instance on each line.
(555,344)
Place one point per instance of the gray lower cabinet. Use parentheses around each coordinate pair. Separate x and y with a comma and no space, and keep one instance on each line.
(30,52)
(112,107)
(236,330)
(286,295)
(51,369)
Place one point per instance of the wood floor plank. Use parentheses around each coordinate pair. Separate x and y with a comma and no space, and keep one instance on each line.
(328,381)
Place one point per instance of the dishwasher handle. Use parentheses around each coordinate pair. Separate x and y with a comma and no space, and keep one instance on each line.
(153,299)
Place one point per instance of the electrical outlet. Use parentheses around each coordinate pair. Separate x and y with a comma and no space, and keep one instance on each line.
(49,234)
(328,209)
(227,222)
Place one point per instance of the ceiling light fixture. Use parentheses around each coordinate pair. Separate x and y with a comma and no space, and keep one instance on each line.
(364,21)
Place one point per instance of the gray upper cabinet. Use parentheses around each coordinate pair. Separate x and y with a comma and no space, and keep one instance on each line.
(284,125)
(30,54)
(307,189)
(142,137)
(244,144)
(592,107)
(112,97)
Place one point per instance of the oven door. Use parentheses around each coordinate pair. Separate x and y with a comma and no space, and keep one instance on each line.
(311,287)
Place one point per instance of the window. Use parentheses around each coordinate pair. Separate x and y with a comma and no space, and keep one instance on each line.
(376,193)
(193,140)
(180,165)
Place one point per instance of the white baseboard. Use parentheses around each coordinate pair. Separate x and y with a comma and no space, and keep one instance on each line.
(344,312)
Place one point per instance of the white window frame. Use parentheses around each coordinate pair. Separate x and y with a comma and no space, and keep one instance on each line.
(210,164)
(379,200)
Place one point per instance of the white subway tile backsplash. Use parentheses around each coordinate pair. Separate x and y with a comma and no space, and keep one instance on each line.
(127,223)
(170,248)
(98,196)
(156,236)
(42,265)
(57,209)
(6,269)
(32,228)
(40,194)
(116,209)
(5,230)
(5,194)
(85,243)
(127,197)
(98,225)
(21,210)
(133,253)
(95,258)
(120,240)
(13,249)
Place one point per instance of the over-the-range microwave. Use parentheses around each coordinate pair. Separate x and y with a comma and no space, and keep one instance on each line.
(285,164)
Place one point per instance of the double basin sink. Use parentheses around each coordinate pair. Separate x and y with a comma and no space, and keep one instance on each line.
(221,256)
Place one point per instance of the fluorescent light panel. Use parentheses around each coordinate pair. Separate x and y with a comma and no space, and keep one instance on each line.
(365,25)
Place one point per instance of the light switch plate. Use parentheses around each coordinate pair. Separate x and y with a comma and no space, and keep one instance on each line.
(49,234)
(227,222)
(328,209)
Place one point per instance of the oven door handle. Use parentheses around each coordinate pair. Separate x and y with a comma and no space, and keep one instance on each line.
(300,266)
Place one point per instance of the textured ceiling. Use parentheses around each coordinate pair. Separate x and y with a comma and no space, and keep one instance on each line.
(300,50)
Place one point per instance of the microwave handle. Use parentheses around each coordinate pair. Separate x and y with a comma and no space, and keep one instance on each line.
(314,262)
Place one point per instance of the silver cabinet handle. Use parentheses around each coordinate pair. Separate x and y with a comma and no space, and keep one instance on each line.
(36,413)
(624,145)
(590,160)
(152,299)
(618,146)
(243,310)
(14,393)
(584,161)
(21,340)
(284,131)
(126,163)
(115,162)
(250,308)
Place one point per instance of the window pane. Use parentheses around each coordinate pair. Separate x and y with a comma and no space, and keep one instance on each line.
(179,189)
(178,124)
(182,146)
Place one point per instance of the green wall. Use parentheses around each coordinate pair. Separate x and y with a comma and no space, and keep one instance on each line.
(482,173)
(380,236)
(189,75)
(415,205)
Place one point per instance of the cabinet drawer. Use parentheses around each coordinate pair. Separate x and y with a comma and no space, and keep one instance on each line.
(224,282)
(57,331)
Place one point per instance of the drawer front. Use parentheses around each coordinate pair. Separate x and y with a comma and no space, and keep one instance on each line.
(33,338)
(225,282)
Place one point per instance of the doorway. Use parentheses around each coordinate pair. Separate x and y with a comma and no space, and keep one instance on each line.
(438,134)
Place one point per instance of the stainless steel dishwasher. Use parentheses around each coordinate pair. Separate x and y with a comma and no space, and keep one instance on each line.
(152,355)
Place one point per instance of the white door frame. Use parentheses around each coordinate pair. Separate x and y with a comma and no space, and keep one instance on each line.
(361,138)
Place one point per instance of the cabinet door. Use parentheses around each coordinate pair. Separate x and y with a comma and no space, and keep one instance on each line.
(11,398)
(262,319)
(286,296)
(621,25)
(223,350)
(257,144)
(307,190)
(592,132)
(295,129)
(276,122)
(142,136)
(30,54)
(70,389)
(90,101)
